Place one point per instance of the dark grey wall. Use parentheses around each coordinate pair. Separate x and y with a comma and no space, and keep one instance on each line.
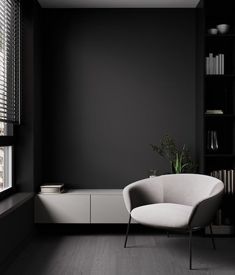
(115,81)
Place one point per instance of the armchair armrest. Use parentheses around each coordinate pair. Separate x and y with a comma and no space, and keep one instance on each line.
(146,191)
(204,212)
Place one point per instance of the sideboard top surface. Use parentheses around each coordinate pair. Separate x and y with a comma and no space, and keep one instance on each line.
(87,192)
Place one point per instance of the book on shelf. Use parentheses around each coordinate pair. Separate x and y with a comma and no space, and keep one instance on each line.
(229,182)
(214,112)
(232,179)
(224,177)
(52,188)
(215,64)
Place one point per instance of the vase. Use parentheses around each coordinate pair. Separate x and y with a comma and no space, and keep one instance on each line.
(212,141)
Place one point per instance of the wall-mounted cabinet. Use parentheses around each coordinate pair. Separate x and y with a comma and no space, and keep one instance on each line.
(79,206)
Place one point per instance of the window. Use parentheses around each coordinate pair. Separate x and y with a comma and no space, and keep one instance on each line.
(5,167)
(9,86)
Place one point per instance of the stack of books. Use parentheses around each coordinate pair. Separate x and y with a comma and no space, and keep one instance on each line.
(227,177)
(52,188)
(215,64)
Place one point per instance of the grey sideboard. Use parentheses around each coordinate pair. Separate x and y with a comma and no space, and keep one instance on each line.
(81,206)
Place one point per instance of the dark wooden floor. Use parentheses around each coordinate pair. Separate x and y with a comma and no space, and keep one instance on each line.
(104,255)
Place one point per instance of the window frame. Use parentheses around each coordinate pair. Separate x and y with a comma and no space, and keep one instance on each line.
(6,141)
(9,138)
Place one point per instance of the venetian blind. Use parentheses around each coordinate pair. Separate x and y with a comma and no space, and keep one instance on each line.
(10,61)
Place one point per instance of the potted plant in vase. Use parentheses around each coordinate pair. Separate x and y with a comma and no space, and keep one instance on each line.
(179,158)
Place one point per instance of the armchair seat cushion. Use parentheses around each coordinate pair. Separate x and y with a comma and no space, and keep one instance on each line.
(163,215)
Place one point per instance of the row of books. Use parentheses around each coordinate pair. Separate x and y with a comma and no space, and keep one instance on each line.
(227,177)
(215,64)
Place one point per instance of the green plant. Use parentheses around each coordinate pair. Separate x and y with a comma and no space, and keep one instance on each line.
(179,158)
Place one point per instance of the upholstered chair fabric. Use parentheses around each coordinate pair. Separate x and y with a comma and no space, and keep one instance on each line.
(174,201)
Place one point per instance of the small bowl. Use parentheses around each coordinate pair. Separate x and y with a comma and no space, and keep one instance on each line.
(223,28)
(213,31)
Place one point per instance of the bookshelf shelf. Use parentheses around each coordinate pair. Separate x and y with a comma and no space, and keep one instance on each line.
(220,155)
(212,76)
(225,36)
(216,116)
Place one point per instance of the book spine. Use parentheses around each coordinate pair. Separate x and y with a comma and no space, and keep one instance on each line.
(50,190)
(220,66)
(210,63)
(232,181)
(222,63)
(225,181)
(213,65)
(207,65)
(229,182)
(217,64)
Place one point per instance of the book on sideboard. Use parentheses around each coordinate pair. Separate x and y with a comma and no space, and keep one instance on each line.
(52,188)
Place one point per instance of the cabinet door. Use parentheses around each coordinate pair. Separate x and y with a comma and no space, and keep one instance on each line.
(108,209)
(62,208)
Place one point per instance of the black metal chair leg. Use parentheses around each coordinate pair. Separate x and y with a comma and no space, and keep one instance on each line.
(190,249)
(212,238)
(127,230)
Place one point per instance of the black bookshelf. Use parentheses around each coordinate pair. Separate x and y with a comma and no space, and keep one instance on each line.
(218,93)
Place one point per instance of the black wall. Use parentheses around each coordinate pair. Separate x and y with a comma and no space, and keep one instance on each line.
(28,135)
(15,230)
(115,81)
(17,226)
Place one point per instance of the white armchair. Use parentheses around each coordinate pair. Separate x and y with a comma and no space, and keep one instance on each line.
(174,202)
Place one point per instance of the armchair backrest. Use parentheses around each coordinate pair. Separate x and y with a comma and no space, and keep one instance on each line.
(189,189)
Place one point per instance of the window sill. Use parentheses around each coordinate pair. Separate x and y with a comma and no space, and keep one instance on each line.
(12,202)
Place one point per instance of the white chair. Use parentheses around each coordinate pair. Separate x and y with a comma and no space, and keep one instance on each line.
(174,202)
